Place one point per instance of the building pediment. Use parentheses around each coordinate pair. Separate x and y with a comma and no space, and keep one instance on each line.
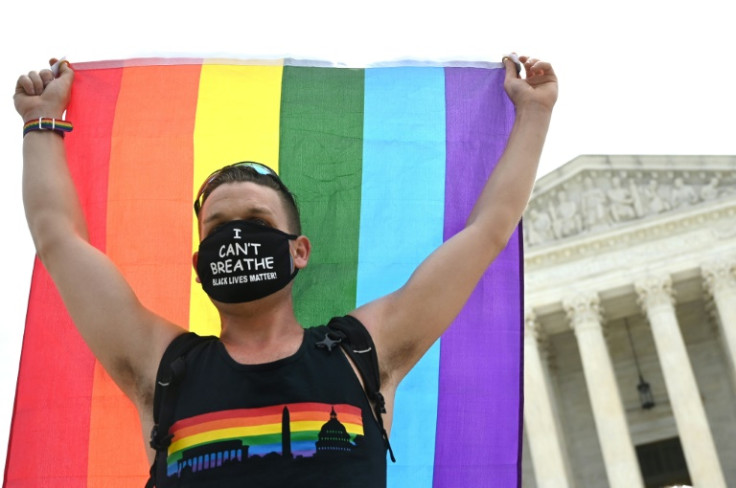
(592,196)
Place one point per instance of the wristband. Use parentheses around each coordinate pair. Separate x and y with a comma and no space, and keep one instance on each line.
(47,123)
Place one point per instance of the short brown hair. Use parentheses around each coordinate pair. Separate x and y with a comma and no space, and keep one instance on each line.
(241,172)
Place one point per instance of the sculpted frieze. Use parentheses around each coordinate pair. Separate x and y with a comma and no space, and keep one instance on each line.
(599,200)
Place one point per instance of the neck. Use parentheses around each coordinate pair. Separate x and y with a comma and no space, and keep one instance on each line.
(261,331)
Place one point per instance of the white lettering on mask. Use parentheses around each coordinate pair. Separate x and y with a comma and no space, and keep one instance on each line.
(239,249)
(243,264)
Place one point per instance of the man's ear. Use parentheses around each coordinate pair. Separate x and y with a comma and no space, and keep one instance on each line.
(301,248)
(195,259)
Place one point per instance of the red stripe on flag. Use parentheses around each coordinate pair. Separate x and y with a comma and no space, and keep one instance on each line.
(51,414)
(152,145)
(52,406)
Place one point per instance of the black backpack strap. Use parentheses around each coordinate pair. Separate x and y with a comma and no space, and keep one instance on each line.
(171,370)
(356,341)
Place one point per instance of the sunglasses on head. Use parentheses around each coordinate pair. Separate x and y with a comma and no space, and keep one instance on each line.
(259,168)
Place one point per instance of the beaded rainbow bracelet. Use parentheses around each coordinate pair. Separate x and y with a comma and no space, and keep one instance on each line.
(47,123)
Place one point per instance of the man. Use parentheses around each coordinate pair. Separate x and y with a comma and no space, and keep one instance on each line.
(262,346)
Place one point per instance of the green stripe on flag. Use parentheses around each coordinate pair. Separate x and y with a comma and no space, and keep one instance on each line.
(321,161)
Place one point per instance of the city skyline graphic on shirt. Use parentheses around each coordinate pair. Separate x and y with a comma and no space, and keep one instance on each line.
(239,439)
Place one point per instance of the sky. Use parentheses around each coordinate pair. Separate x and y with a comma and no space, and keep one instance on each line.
(636,77)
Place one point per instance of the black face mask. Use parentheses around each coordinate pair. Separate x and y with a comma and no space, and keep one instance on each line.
(242,261)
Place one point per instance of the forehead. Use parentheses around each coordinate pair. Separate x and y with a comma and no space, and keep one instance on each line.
(235,200)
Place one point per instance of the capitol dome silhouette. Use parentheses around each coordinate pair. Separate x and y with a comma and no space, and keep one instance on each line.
(333,437)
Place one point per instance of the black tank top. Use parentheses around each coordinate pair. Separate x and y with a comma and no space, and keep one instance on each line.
(300,421)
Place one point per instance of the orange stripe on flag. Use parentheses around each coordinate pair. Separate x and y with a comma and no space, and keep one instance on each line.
(154,116)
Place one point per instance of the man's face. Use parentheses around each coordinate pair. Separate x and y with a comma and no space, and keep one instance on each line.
(255,203)
(242,201)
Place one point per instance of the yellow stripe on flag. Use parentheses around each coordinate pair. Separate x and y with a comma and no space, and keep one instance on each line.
(237,120)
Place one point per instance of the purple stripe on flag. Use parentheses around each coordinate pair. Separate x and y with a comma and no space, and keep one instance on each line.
(479,410)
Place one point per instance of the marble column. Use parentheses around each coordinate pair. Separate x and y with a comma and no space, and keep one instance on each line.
(720,281)
(622,467)
(656,298)
(551,466)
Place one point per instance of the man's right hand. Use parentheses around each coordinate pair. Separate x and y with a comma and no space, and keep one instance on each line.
(40,94)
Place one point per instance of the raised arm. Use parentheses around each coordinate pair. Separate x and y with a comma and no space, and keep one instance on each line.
(124,336)
(405,323)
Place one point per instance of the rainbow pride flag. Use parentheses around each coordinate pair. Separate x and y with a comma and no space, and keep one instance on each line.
(386,163)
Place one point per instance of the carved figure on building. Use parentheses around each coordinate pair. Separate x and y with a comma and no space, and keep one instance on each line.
(621,201)
(710,190)
(538,228)
(655,203)
(594,205)
(682,195)
(566,218)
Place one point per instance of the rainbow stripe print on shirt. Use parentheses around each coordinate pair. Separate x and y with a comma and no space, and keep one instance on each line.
(292,431)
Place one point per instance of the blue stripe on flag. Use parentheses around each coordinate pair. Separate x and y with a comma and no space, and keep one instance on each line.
(401,223)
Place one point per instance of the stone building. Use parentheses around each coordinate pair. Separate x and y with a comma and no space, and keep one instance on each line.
(630,334)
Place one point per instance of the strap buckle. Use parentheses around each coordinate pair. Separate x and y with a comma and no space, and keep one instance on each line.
(328,343)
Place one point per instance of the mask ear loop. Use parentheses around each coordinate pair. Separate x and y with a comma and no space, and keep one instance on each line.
(294,269)
(291,256)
